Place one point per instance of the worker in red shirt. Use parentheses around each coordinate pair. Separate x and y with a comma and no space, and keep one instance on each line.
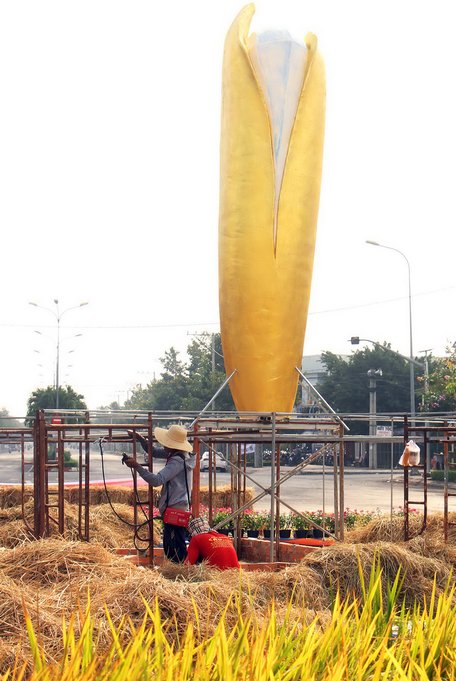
(206,544)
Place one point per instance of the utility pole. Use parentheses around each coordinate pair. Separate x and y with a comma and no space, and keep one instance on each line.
(427,453)
(373,374)
(426,373)
(213,353)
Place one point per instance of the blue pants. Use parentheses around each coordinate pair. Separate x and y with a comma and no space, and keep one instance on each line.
(174,546)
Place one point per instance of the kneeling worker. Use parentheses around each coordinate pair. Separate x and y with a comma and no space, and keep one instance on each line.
(210,545)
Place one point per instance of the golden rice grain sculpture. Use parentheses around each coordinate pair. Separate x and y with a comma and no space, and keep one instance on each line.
(272,132)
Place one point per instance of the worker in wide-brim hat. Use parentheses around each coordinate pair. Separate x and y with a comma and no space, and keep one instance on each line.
(175,479)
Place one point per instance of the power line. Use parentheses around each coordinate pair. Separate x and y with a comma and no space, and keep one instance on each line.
(113,326)
(380,302)
(205,324)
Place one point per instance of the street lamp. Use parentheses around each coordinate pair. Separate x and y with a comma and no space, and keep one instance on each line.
(43,335)
(58,316)
(356,340)
(412,364)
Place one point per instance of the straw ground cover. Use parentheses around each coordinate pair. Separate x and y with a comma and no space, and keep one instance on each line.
(54,577)
(425,543)
(372,637)
(105,527)
(221,497)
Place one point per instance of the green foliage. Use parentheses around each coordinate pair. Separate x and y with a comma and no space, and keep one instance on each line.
(440,475)
(346,386)
(186,386)
(220,516)
(299,522)
(252,520)
(113,406)
(441,393)
(68,461)
(45,398)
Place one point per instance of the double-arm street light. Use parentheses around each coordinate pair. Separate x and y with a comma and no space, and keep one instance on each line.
(411,360)
(69,352)
(58,314)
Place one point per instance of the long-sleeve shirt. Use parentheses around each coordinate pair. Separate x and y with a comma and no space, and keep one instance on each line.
(172,477)
(216,548)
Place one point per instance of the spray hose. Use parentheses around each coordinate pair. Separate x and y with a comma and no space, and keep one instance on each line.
(149,518)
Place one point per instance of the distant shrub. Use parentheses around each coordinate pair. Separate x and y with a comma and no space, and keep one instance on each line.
(439,476)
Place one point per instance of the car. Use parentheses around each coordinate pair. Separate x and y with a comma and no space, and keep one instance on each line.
(217,459)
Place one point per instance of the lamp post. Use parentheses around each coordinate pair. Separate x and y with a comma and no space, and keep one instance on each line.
(412,363)
(58,316)
(356,340)
(77,335)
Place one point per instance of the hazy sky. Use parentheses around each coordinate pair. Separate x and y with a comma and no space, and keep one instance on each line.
(109,164)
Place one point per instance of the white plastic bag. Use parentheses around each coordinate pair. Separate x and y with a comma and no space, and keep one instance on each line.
(410,455)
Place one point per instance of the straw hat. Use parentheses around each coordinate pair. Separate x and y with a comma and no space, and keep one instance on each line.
(175,437)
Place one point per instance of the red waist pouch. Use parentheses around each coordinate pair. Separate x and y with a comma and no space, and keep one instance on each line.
(175,516)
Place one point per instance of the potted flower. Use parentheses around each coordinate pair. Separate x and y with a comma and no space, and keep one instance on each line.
(354,518)
(325,521)
(252,522)
(220,515)
(301,526)
(265,524)
(285,525)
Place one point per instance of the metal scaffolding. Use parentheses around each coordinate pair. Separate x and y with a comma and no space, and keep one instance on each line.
(229,431)
(443,434)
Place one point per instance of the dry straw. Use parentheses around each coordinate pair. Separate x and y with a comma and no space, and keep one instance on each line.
(428,542)
(53,577)
(221,497)
(338,568)
(62,573)
(105,527)
(385,529)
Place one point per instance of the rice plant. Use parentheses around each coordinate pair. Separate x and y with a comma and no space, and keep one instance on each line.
(371,637)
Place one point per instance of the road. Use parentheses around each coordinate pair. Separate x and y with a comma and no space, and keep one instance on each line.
(364,489)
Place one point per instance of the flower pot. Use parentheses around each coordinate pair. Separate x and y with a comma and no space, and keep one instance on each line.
(284,534)
(253,533)
(317,534)
(267,534)
(303,534)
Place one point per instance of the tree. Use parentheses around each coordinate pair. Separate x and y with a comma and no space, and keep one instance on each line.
(186,386)
(44,398)
(113,406)
(206,373)
(6,421)
(441,392)
(346,386)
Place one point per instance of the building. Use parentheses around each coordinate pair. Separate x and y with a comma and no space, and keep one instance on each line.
(314,370)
